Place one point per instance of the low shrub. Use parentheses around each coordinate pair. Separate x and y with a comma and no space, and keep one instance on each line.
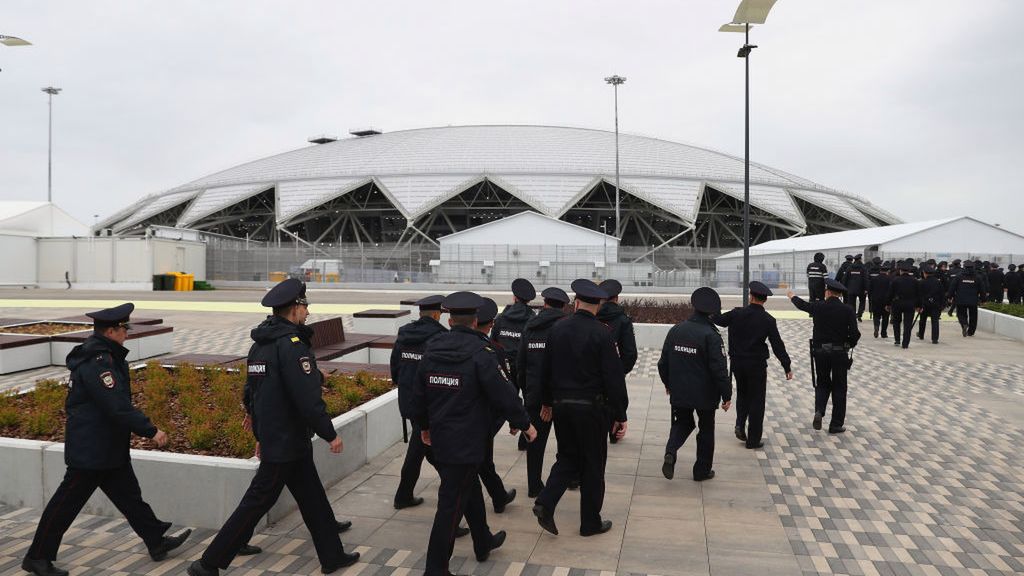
(652,311)
(1011,309)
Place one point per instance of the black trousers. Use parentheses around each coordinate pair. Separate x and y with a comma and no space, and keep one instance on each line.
(303,482)
(1013,296)
(119,484)
(857,302)
(458,494)
(880,317)
(751,388)
(968,316)
(582,436)
(902,324)
(415,453)
(831,370)
(489,475)
(683,425)
(535,451)
(934,313)
(816,288)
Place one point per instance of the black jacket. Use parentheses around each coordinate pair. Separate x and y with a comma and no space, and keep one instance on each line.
(459,388)
(834,322)
(1013,282)
(622,333)
(816,272)
(933,293)
(693,366)
(841,273)
(405,358)
(283,392)
(530,359)
(749,327)
(904,293)
(878,290)
(100,414)
(580,362)
(856,278)
(508,328)
(966,290)
(995,283)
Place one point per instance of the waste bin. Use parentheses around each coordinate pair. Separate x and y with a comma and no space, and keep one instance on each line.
(176,280)
(190,280)
(158,282)
(278,276)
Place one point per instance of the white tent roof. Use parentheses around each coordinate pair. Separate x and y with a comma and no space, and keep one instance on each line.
(21,218)
(530,229)
(845,239)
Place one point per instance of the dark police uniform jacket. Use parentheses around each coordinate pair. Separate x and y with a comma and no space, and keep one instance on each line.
(966,289)
(1013,282)
(995,282)
(834,322)
(508,328)
(856,278)
(621,326)
(933,293)
(693,366)
(580,363)
(878,290)
(749,327)
(405,359)
(282,391)
(100,414)
(904,293)
(459,388)
(530,358)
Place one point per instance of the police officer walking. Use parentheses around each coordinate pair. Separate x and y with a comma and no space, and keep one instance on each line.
(749,328)
(621,325)
(856,282)
(100,422)
(529,372)
(695,373)
(904,300)
(816,273)
(933,299)
(995,283)
(966,292)
(878,296)
(1014,282)
(508,326)
(283,386)
(405,359)
(835,334)
(459,387)
(843,269)
(582,385)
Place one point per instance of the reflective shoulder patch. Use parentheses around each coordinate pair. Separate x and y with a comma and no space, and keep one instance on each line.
(489,349)
(295,338)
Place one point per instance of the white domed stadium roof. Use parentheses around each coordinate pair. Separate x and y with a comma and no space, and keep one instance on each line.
(548,168)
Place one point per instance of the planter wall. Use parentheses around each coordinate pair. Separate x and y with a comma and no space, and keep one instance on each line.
(651,335)
(194,490)
(1002,324)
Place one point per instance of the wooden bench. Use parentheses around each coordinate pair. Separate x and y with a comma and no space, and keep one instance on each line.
(329,341)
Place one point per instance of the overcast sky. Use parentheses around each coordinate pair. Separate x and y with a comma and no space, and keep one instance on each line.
(914,104)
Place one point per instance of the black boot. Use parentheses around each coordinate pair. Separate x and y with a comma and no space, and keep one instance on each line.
(545,518)
(668,468)
(42,568)
(496,541)
(740,433)
(347,559)
(159,552)
(197,568)
(249,550)
(605,526)
(343,525)
(499,507)
(414,501)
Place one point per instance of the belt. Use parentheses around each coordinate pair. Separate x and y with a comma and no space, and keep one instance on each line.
(579,402)
(830,347)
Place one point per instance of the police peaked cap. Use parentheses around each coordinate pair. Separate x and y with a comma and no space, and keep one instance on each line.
(858,256)
(430,302)
(487,311)
(886,267)
(876,260)
(928,269)
(587,291)
(956,262)
(523,289)
(759,289)
(1011,267)
(849,256)
(834,285)
(706,301)
(463,303)
(612,287)
(115,316)
(818,257)
(556,294)
(287,292)
(969,264)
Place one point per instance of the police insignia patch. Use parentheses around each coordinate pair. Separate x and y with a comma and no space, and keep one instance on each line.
(295,338)
(108,379)
(307,366)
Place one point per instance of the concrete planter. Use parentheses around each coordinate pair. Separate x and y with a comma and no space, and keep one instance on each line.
(386,322)
(22,352)
(198,490)
(651,335)
(1002,324)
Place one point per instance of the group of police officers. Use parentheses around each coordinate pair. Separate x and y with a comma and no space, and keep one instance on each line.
(563,366)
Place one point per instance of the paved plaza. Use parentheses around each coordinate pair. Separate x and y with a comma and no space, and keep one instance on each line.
(927,481)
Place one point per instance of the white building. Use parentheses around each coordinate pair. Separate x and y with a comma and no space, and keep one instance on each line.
(19,218)
(785,261)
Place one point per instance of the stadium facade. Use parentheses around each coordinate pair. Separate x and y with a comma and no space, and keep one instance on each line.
(415,186)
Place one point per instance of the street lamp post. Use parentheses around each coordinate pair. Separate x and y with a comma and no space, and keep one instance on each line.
(49,145)
(615,80)
(749,12)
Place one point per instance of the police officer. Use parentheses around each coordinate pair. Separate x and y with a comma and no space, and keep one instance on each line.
(284,397)
(696,378)
(582,384)
(749,328)
(816,273)
(459,387)
(995,283)
(856,282)
(933,299)
(405,359)
(835,334)
(904,300)
(981,273)
(100,422)
(843,268)
(1014,284)
(966,292)
(530,359)
(508,327)
(878,295)
(500,497)
(621,325)
(954,271)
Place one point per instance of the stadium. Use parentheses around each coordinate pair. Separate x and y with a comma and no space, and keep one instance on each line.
(413,187)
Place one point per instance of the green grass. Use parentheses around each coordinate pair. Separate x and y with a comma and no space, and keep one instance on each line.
(1011,309)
